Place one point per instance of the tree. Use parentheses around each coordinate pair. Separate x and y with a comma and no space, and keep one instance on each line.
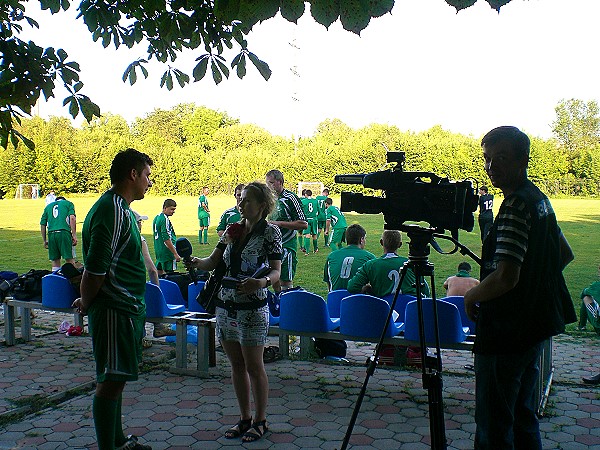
(577,125)
(166,27)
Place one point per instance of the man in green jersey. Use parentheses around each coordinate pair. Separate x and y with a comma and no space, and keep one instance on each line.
(203,216)
(289,217)
(311,210)
(59,220)
(231,215)
(165,238)
(321,220)
(303,201)
(112,293)
(380,277)
(342,264)
(335,224)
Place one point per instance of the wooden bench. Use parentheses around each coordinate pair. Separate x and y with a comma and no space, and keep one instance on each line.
(10,305)
(206,356)
(544,382)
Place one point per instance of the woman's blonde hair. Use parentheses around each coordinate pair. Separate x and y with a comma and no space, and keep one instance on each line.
(262,193)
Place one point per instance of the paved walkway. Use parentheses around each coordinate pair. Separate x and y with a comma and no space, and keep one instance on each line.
(46,390)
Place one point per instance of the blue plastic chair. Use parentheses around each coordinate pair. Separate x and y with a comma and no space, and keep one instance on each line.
(364,315)
(449,322)
(305,311)
(57,292)
(193,290)
(459,302)
(156,305)
(334,299)
(171,291)
(273,320)
(400,306)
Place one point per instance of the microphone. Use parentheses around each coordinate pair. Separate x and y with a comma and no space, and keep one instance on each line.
(184,249)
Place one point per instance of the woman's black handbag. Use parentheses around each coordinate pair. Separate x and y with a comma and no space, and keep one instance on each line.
(207,296)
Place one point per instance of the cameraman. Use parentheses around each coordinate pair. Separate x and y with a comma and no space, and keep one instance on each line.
(521,278)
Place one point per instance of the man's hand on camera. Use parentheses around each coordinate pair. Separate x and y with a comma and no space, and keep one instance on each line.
(250,285)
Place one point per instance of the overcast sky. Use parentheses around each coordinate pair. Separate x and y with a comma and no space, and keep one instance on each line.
(421,66)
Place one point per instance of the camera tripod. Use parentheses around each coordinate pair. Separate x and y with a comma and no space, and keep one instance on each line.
(431,367)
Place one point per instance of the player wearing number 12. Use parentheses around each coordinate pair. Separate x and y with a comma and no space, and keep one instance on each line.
(341,265)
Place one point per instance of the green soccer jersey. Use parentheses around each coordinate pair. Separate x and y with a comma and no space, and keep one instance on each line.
(288,209)
(384,275)
(342,265)
(57,215)
(163,231)
(321,202)
(230,215)
(203,203)
(310,207)
(334,214)
(112,246)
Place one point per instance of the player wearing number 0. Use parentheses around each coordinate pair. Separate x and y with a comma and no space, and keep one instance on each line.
(311,211)
(342,264)
(379,277)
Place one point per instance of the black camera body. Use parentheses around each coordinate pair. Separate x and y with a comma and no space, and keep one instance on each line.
(443,204)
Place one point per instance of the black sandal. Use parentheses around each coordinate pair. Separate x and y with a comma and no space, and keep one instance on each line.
(256,432)
(239,429)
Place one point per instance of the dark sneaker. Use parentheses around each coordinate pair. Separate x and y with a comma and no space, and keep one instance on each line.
(133,444)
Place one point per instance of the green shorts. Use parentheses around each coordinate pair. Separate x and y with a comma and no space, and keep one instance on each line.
(288,264)
(321,224)
(166,266)
(312,228)
(203,222)
(60,245)
(337,236)
(117,344)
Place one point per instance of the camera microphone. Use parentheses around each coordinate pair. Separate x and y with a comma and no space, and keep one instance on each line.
(184,249)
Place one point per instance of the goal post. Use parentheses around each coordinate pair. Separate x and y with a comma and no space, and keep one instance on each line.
(27,191)
(315,186)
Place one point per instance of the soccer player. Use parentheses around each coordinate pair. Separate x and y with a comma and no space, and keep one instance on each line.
(381,276)
(303,200)
(342,264)
(486,215)
(289,217)
(59,220)
(311,210)
(112,293)
(165,238)
(321,220)
(232,214)
(203,216)
(335,222)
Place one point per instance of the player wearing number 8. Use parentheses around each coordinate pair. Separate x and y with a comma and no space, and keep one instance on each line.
(342,264)
(380,277)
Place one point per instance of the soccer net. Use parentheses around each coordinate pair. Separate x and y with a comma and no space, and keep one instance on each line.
(27,191)
(315,186)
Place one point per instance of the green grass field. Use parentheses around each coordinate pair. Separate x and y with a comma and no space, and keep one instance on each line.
(21,246)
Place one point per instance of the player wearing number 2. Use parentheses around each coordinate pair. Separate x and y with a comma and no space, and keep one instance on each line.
(380,277)
(342,264)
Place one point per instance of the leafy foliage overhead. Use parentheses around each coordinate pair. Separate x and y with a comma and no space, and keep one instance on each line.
(166,27)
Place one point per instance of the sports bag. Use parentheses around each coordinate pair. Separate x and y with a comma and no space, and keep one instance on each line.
(207,296)
(29,285)
(330,347)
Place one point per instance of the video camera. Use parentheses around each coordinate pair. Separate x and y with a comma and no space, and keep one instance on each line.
(444,204)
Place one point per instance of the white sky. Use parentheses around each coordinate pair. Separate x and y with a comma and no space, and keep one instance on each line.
(421,66)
